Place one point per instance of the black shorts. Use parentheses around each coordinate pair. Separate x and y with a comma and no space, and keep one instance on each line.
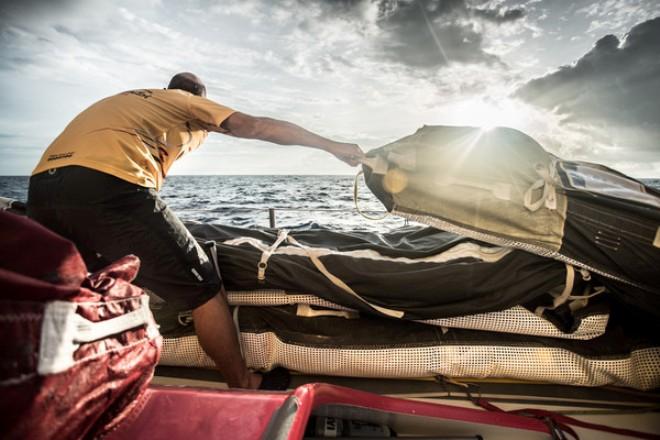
(108,218)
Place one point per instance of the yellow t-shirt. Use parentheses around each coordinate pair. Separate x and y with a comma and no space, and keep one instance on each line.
(135,135)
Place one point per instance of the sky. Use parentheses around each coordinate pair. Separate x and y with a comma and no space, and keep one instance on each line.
(581,77)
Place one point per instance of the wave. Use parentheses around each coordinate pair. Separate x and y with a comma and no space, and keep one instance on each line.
(244,200)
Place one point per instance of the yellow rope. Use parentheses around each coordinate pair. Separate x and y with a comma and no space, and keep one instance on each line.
(355,199)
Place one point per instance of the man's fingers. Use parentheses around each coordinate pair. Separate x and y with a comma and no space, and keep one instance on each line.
(351,160)
(355,157)
(350,154)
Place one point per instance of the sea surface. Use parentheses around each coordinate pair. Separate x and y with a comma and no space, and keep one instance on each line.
(244,201)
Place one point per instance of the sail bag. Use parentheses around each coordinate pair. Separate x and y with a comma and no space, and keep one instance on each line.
(78,349)
(501,187)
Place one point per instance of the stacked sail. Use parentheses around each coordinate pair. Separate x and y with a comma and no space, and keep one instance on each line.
(423,302)
(533,268)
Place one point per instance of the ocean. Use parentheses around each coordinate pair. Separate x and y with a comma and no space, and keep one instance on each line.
(244,201)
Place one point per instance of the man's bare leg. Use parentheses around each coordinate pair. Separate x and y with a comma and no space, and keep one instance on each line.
(217,335)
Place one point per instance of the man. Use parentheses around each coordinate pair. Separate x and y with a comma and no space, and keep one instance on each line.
(97,185)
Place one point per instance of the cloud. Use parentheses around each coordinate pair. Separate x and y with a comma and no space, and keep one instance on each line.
(612,94)
(24,8)
(425,34)
(365,71)
(615,16)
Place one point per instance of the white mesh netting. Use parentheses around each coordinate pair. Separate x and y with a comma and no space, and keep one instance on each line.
(264,351)
(516,320)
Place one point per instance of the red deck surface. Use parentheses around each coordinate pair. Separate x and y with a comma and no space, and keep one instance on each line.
(186,413)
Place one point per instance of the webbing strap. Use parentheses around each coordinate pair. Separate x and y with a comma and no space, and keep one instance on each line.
(213,250)
(237,326)
(63,331)
(340,283)
(564,295)
(265,255)
(579,302)
(548,196)
(306,311)
(597,291)
(568,288)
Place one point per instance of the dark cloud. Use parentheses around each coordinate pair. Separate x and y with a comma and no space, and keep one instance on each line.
(499,15)
(66,31)
(615,86)
(429,33)
(27,6)
(10,11)
(12,62)
(426,34)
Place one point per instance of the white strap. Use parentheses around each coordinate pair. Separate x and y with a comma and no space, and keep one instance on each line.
(265,255)
(63,331)
(306,311)
(568,287)
(527,199)
(597,291)
(339,283)
(576,301)
(580,301)
(486,254)
(212,245)
(237,326)
(6,203)
(548,196)
(564,295)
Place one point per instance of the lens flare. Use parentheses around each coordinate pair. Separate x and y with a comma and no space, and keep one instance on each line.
(487,115)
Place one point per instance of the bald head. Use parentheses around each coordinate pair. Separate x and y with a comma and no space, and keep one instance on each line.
(188,82)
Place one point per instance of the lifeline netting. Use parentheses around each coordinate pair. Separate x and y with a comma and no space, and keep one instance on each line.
(390,348)
(264,351)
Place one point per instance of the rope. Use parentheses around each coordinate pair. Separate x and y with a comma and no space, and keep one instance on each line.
(559,424)
(355,199)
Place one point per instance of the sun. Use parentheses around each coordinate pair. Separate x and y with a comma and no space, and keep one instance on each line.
(486,114)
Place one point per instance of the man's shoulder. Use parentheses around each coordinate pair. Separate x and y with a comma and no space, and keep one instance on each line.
(173,96)
(157,93)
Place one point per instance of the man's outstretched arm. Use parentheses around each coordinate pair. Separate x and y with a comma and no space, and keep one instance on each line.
(285,133)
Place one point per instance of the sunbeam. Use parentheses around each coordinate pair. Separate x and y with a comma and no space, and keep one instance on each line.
(429,25)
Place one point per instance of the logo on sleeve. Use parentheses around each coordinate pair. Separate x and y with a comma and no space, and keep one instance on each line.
(143,93)
(60,156)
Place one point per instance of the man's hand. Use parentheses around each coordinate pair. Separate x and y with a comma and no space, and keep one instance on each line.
(349,153)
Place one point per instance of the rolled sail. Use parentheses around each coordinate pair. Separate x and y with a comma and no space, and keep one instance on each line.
(500,186)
